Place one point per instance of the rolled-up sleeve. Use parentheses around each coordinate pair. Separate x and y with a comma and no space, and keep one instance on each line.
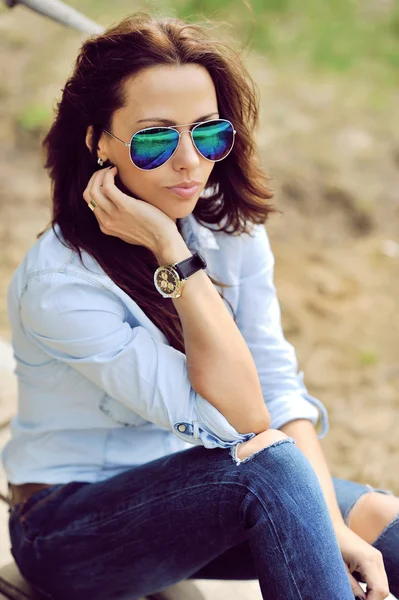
(259,320)
(85,326)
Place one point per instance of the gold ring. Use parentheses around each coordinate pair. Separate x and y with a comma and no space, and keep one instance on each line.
(92,205)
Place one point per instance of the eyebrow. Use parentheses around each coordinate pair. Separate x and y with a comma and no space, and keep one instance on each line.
(169,122)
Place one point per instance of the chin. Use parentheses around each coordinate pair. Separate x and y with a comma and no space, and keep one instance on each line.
(184,210)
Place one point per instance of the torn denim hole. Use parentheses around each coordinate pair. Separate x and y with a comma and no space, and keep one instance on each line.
(380,490)
(370,488)
(238,462)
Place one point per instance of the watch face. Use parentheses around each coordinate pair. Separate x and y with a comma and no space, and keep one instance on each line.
(166,280)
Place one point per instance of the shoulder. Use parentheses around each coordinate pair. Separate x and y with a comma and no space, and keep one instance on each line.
(52,276)
(51,255)
(232,256)
(50,252)
(61,302)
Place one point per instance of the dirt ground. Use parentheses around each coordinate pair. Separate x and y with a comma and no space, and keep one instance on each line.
(332,148)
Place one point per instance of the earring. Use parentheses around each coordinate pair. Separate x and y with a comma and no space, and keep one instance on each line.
(100,162)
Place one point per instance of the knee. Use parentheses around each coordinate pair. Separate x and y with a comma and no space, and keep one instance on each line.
(272,468)
(273,452)
(244,451)
(371,514)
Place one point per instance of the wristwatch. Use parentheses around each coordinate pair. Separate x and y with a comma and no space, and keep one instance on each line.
(169,279)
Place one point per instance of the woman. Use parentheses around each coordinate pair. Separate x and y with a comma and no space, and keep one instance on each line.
(163,432)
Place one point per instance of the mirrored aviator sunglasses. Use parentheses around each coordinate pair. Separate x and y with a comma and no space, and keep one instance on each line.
(152,147)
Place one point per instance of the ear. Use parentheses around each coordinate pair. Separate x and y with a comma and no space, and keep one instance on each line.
(89,135)
(89,141)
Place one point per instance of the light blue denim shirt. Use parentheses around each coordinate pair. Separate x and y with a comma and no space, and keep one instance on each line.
(100,387)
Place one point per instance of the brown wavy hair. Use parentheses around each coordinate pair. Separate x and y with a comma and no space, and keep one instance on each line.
(236,192)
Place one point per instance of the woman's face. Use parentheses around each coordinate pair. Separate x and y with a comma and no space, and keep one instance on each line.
(159,96)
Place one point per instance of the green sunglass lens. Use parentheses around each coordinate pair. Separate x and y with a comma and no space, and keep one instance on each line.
(151,148)
(214,139)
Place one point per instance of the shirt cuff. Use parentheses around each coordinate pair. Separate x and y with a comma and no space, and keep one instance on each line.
(209,427)
(300,405)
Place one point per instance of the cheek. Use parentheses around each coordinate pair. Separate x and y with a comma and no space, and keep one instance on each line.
(137,183)
(207,168)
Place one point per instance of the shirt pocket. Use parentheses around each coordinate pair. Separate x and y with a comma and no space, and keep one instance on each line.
(119,413)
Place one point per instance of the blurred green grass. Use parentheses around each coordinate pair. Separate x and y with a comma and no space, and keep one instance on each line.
(368,357)
(350,44)
(334,34)
(341,36)
(35,117)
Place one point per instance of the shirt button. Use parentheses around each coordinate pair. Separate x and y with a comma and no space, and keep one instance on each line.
(182,428)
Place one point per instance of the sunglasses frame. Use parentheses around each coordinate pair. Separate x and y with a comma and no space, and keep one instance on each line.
(196,123)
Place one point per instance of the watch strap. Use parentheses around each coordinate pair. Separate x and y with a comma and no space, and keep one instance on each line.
(190,265)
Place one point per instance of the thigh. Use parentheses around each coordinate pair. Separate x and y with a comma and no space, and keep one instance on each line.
(142,530)
(237,562)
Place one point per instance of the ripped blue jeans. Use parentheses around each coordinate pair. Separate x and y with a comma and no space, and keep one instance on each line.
(197,513)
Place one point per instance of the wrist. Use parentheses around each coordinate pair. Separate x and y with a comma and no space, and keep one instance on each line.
(171,248)
(340,527)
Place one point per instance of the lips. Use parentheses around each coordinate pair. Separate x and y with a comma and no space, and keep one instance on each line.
(184,184)
(184,191)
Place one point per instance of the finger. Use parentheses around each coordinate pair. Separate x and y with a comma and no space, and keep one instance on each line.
(93,205)
(356,589)
(111,191)
(376,579)
(383,577)
(97,193)
(87,192)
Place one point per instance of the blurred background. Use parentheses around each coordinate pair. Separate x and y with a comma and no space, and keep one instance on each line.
(328,75)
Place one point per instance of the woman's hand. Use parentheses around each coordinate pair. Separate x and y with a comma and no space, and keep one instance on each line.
(362,557)
(132,220)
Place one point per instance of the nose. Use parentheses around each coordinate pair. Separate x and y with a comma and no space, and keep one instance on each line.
(186,155)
